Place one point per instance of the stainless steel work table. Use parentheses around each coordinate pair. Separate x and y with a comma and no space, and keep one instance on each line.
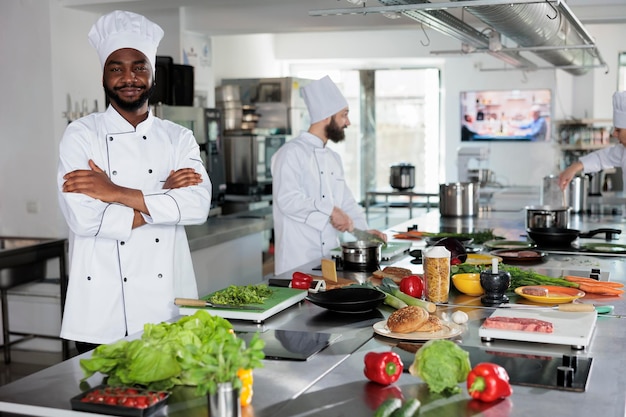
(331,383)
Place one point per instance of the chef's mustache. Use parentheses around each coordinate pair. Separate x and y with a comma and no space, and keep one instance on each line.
(133,85)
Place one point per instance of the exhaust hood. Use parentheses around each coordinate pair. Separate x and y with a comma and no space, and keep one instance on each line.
(546,28)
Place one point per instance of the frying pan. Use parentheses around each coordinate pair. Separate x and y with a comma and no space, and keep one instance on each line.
(559,237)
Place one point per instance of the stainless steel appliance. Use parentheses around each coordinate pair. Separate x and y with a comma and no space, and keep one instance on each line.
(277,101)
(206,125)
(458,199)
(402,176)
(248,158)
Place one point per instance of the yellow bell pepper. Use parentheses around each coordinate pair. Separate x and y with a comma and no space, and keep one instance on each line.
(245,396)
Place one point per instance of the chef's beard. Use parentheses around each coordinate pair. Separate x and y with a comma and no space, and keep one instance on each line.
(129,105)
(334,132)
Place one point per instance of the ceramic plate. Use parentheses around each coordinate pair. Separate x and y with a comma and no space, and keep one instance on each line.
(604,247)
(556,294)
(508,244)
(449,330)
(481,259)
(520,255)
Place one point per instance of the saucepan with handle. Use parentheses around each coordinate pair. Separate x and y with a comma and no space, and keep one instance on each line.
(563,237)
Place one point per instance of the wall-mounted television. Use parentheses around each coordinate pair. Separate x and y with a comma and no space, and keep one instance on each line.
(506,115)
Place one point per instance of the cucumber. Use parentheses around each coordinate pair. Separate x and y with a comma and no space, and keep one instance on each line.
(388,407)
(408,409)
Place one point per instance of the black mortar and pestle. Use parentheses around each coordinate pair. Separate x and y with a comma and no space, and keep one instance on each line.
(494,283)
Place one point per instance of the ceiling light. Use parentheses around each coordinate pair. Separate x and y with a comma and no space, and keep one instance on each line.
(392,15)
(357,2)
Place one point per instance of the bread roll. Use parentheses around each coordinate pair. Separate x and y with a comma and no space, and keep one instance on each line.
(433,324)
(407,319)
(394,272)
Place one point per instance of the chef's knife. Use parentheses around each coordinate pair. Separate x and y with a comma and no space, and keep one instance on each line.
(192,302)
(366,236)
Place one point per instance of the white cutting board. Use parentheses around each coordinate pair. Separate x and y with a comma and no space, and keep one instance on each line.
(570,328)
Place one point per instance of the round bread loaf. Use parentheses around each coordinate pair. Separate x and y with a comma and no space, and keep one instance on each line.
(433,324)
(407,319)
(394,272)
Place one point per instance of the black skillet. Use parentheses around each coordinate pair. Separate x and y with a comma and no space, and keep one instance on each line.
(560,237)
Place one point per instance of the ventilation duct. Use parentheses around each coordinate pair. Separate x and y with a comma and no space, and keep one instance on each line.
(539,24)
(546,28)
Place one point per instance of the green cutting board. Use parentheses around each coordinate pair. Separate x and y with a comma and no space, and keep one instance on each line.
(281,299)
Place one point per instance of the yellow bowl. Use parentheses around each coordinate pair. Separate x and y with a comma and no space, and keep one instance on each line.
(468,284)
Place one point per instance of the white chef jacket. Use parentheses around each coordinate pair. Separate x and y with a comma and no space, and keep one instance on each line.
(121,278)
(611,157)
(307,182)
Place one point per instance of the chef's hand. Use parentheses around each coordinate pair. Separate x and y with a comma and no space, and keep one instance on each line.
(569,173)
(378,233)
(340,220)
(96,184)
(184,177)
(93,182)
(138,219)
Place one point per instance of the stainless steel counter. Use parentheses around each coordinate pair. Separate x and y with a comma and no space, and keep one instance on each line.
(331,383)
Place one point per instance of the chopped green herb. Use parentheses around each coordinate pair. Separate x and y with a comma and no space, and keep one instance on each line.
(240,295)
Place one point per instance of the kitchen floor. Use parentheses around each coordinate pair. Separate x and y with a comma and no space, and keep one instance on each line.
(26,362)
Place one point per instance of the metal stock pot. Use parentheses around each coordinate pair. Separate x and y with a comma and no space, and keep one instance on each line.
(361,254)
(459,199)
(547,216)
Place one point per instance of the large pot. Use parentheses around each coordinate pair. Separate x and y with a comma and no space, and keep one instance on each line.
(547,216)
(557,237)
(361,255)
(458,199)
(402,176)
(578,190)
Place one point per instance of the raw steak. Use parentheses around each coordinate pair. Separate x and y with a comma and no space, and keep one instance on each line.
(518,323)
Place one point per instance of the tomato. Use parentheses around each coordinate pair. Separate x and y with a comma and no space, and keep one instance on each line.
(141,401)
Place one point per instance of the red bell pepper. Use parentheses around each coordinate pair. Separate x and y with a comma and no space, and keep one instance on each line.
(412,285)
(301,281)
(384,368)
(488,382)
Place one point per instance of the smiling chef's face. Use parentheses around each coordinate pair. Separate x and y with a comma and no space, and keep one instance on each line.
(128,79)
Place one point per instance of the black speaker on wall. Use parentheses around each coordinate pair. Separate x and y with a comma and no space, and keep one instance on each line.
(182,85)
(163,77)
(174,83)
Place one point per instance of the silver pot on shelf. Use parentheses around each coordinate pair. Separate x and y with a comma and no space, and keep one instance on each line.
(402,176)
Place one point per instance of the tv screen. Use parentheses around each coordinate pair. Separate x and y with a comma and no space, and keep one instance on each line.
(506,115)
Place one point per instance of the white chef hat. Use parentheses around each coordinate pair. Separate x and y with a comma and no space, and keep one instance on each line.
(619,109)
(121,29)
(323,99)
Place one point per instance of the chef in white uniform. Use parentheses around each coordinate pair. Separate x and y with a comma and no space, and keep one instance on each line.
(128,184)
(609,157)
(312,203)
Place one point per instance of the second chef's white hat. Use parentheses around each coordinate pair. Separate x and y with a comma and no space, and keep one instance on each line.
(619,109)
(323,99)
(121,29)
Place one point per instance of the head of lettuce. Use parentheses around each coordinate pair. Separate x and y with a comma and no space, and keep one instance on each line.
(442,364)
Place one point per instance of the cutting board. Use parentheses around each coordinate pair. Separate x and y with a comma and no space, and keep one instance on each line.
(281,299)
(570,328)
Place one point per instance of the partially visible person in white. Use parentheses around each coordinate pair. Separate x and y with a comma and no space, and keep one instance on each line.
(609,157)
(312,204)
(128,184)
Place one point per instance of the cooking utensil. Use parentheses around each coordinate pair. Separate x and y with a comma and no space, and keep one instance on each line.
(348,300)
(459,199)
(559,237)
(569,307)
(402,176)
(366,236)
(547,216)
(192,302)
(361,254)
